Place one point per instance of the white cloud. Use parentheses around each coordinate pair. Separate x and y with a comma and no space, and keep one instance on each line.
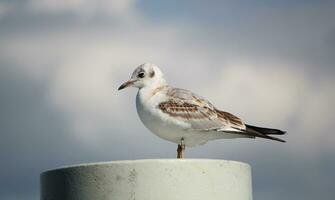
(85,8)
(84,68)
(277,95)
(264,95)
(85,85)
(83,71)
(81,67)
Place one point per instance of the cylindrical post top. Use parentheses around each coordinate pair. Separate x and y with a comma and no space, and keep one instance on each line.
(164,179)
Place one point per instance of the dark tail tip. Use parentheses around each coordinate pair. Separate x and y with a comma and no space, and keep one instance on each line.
(265,132)
(274,138)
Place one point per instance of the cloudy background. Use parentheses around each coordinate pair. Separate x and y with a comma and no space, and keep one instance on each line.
(271,63)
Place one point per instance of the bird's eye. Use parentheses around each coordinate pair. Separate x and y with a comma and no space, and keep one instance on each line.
(141,75)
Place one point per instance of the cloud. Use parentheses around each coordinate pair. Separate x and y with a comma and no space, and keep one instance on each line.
(5,8)
(85,8)
(263,94)
(82,77)
(279,96)
(83,69)
(317,115)
(60,104)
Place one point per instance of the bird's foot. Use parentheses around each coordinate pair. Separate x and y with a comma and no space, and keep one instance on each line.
(181,149)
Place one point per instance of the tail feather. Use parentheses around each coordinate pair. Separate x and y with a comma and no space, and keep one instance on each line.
(264,132)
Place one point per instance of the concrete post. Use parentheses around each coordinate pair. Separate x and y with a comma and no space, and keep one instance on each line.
(157,179)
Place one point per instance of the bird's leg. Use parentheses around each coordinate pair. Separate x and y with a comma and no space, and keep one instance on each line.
(181,149)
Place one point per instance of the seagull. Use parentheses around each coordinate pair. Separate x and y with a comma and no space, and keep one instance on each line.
(182,117)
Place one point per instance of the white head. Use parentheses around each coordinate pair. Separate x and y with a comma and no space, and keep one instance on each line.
(145,75)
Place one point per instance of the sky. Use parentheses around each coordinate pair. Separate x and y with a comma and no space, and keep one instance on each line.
(270,63)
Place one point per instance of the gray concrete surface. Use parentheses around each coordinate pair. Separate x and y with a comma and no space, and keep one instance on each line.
(156,179)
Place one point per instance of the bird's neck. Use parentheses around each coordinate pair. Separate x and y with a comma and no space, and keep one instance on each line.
(149,90)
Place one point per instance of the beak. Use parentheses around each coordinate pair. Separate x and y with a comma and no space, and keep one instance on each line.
(127,84)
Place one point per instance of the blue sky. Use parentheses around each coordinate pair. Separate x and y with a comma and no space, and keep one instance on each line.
(272,64)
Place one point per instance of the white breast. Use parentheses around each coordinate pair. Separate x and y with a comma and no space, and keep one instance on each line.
(165,126)
(156,121)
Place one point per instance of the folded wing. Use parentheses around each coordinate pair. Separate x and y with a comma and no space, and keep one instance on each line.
(198,112)
(203,116)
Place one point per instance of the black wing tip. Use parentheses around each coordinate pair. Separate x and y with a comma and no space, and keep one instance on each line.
(270,138)
(280,140)
(273,138)
(266,131)
(280,132)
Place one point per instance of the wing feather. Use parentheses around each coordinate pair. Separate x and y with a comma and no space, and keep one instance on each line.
(198,112)
(203,116)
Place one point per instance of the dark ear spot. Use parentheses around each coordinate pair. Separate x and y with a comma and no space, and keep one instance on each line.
(152,74)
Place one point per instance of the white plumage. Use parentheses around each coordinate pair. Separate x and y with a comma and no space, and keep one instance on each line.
(183,117)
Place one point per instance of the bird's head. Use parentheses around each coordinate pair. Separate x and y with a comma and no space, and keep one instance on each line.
(145,75)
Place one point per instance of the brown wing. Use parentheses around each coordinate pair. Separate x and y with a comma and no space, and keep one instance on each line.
(203,116)
(230,118)
(198,112)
